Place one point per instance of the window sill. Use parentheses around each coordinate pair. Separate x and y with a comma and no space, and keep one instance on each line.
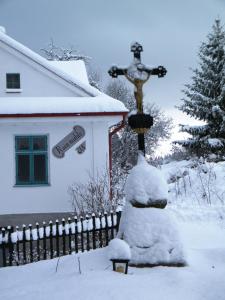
(13,90)
(32,185)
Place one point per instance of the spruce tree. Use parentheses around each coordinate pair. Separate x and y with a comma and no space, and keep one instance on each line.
(205,97)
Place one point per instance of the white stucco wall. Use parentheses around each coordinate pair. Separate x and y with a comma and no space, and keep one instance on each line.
(35,80)
(62,172)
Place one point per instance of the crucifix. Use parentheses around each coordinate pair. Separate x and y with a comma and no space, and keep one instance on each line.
(138,74)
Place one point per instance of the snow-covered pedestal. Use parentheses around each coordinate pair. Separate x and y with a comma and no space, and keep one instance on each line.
(145,226)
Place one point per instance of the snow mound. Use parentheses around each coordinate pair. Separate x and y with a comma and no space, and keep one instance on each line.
(118,249)
(145,184)
(152,236)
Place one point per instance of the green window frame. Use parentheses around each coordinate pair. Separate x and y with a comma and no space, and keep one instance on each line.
(31,153)
(13,81)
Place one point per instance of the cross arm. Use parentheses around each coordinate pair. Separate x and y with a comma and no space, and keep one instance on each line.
(160,71)
(114,71)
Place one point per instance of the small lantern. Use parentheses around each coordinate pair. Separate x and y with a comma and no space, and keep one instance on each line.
(120,265)
(140,123)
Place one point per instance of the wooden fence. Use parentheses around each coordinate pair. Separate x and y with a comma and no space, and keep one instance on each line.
(47,241)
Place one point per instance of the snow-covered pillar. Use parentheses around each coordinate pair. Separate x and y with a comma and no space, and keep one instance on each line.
(145,225)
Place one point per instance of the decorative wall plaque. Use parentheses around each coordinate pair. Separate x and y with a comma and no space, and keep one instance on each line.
(68,141)
(81,148)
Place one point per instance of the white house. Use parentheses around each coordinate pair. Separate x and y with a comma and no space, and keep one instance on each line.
(54,129)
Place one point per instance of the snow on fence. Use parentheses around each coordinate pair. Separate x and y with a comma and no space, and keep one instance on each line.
(31,244)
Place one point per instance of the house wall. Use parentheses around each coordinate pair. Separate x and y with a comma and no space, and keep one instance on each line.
(62,172)
(35,80)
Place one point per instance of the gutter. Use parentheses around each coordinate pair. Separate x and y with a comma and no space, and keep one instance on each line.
(58,115)
(114,131)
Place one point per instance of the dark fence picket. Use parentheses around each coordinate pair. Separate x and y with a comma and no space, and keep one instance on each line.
(82,234)
(24,245)
(44,241)
(100,230)
(57,238)
(70,236)
(118,217)
(87,233)
(75,235)
(3,247)
(112,225)
(64,236)
(51,240)
(106,229)
(94,231)
(11,245)
(38,241)
(17,247)
(31,244)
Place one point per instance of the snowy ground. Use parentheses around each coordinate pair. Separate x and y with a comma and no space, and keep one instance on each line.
(196,201)
(204,278)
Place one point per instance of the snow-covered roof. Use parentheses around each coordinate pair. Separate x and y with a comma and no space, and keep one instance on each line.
(74,68)
(61,72)
(57,105)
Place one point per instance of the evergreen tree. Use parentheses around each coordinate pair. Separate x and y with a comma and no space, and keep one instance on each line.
(205,97)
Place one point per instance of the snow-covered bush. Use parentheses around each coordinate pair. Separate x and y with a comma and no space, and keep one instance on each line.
(195,182)
(94,195)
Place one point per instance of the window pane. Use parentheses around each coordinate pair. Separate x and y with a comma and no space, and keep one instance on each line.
(22,143)
(39,143)
(40,168)
(13,81)
(23,167)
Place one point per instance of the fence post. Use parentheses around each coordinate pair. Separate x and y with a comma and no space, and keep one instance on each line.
(100,230)
(93,231)
(64,236)
(112,225)
(38,242)
(18,247)
(75,235)
(70,234)
(3,247)
(88,238)
(118,217)
(57,238)
(10,243)
(51,239)
(106,228)
(82,234)
(31,244)
(44,241)
(24,245)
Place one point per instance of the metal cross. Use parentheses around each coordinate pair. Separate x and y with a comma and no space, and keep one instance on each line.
(137,73)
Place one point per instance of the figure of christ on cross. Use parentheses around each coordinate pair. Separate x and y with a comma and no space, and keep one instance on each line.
(137,73)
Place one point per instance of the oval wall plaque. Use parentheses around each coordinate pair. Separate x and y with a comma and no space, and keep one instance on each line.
(68,141)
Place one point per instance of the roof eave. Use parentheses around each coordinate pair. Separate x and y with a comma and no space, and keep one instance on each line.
(61,115)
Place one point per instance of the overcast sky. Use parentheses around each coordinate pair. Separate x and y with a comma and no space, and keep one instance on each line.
(170,31)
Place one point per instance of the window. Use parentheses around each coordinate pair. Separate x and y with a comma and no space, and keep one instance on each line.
(31,160)
(13,81)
